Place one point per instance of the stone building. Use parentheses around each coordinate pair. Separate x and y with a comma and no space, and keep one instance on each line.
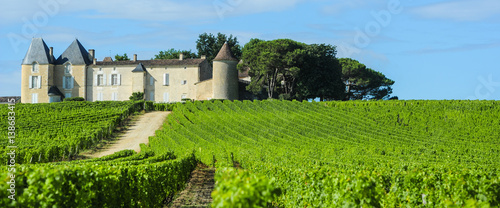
(76,73)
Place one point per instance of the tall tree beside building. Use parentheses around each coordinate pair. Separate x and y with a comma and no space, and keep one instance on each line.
(274,65)
(363,83)
(320,74)
(209,45)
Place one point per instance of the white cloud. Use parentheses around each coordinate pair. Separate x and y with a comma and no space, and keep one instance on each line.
(463,10)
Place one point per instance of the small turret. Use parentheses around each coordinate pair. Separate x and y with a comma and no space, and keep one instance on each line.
(225,75)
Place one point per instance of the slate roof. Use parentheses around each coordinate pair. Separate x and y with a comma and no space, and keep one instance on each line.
(55,91)
(75,54)
(160,62)
(39,52)
(139,68)
(6,99)
(225,54)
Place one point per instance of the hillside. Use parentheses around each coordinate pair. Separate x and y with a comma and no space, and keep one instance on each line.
(294,154)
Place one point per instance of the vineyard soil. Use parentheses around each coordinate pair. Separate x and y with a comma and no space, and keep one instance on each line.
(198,190)
(138,132)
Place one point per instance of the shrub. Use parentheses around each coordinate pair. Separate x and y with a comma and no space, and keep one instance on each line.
(74,99)
(137,96)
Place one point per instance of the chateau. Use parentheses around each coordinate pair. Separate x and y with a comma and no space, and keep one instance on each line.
(77,73)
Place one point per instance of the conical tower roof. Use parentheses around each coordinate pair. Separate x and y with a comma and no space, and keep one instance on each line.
(76,54)
(225,54)
(38,52)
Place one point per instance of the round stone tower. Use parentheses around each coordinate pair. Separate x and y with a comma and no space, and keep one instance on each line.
(225,75)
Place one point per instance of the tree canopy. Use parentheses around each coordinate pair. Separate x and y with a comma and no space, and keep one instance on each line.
(209,45)
(175,54)
(364,83)
(122,58)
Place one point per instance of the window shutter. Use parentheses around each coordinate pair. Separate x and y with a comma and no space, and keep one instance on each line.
(72,85)
(110,78)
(39,82)
(64,83)
(104,79)
(166,79)
(31,82)
(165,97)
(119,79)
(95,80)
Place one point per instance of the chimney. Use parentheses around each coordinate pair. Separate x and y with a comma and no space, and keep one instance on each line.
(95,61)
(203,56)
(92,53)
(181,56)
(51,51)
(135,57)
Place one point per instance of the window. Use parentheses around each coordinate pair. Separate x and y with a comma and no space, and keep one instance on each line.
(34,98)
(166,80)
(114,96)
(100,79)
(67,68)
(68,82)
(99,96)
(165,97)
(67,95)
(54,98)
(115,79)
(34,67)
(35,82)
(151,81)
(184,82)
(152,96)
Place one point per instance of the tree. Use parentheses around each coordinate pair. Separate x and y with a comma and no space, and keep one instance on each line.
(273,62)
(364,83)
(122,58)
(137,96)
(320,75)
(174,54)
(209,45)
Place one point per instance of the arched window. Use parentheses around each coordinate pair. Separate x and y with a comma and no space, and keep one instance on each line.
(34,67)
(67,68)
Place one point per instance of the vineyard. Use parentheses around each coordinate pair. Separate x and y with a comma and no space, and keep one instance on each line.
(292,154)
(56,131)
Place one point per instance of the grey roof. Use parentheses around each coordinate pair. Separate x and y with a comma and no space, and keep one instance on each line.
(55,91)
(159,62)
(75,54)
(39,52)
(225,54)
(139,68)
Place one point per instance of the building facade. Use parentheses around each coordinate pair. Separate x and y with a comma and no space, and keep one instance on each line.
(76,73)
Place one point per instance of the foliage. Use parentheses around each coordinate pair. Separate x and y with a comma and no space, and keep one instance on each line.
(271,63)
(74,99)
(239,188)
(175,54)
(122,58)
(136,96)
(320,74)
(364,83)
(210,45)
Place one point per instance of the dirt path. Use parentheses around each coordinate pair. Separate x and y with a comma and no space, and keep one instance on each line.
(198,192)
(137,133)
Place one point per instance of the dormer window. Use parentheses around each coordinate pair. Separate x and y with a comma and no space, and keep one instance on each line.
(67,68)
(34,67)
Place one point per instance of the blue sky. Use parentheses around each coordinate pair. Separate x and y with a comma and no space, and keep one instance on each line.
(432,49)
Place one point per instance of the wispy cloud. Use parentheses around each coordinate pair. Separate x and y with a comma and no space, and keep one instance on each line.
(465,47)
(153,10)
(463,10)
